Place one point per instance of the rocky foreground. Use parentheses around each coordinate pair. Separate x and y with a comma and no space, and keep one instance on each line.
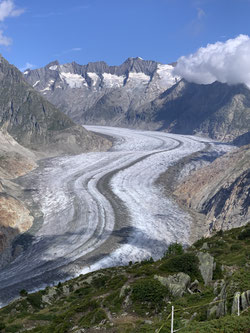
(203,283)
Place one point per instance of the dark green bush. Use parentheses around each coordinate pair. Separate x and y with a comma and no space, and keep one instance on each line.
(13,328)
(100,281)
(244,234)
(173,250)
(35,300)
(2,326)
(235,247)
(23,293)
(187,263)
(148,290)
(217,274)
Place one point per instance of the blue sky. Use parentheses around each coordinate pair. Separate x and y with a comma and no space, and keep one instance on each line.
(38,32)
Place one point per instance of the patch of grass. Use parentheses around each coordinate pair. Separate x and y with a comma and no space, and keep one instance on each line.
(92,318)
(41,316)
(228,324)
(114,302)
(13,328)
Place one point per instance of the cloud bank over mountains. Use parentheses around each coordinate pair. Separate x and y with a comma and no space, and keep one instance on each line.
(226,62)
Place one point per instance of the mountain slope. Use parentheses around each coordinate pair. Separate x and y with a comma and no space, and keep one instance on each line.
(30,128)
(35,123)
(220,191)
(203,284)
(216,110)
(85,93)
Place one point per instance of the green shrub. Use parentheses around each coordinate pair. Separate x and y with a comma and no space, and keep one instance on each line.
(173,250)
(35,299)
(13,328)
(217,274)
(244,234)
(235,247)
(23,293)
(2,326)
(187,263)
(100,281)
(92,318)
(114,302)
(148,290)
(228,324)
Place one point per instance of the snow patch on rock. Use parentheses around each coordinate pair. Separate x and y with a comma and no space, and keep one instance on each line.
(73,80)
(112,80)
(94,77)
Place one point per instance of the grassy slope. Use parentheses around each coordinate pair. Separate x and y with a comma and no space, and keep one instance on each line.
(129,299)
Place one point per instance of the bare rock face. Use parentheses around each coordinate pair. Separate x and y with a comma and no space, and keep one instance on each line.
(220,191)
(15,218)
(176,283)
(206,266)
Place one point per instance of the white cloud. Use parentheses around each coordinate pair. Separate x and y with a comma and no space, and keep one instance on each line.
(28,65)
(226,62)
(6,41)
(8,9)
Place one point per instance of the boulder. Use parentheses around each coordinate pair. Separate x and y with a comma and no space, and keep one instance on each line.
(206,266)
(177,283)
(235,303)
(245,299)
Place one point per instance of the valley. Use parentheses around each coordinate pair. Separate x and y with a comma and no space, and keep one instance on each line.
(102,209)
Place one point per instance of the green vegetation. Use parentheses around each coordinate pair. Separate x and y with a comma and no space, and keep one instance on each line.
(148,290)
(131,299)
(174,249)
(187,263)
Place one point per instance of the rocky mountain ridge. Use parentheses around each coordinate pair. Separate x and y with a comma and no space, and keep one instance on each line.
(79,89)
(144,94)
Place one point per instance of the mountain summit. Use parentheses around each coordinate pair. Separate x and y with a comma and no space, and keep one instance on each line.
(98,93)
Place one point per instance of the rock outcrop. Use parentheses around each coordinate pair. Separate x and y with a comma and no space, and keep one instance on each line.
(177,284)
(220,191)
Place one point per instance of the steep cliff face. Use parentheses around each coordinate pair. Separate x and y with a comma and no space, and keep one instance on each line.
(221,191)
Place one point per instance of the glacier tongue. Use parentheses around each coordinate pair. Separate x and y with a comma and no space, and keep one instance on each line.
(101,209)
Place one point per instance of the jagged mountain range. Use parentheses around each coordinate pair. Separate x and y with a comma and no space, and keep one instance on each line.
(100,94)
(144,94)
